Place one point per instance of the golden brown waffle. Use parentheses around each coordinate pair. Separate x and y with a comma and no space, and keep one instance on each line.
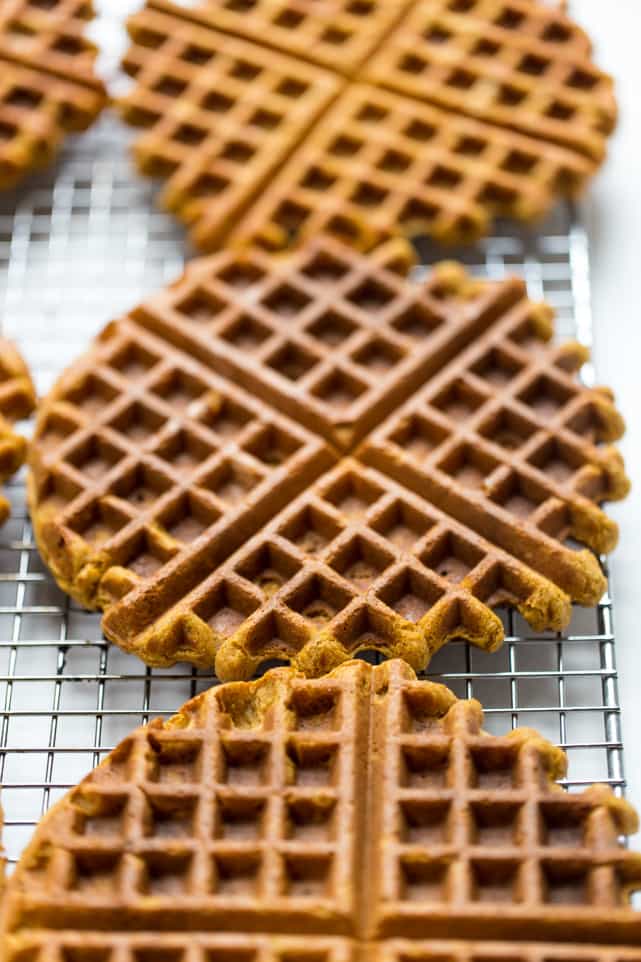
(332,338)
(380,163)
(456,139)
(153,463)
(48,86)
(355,563)
(17,400)
(144,456)
(508,438)
(338,34)
(322,821)
(221,115)
(54,946)
(516,65)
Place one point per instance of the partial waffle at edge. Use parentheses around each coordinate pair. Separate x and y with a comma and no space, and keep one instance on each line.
(220,115)
(366,811)
(48,86)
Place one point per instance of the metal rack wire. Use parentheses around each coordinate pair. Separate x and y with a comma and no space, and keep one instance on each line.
(82,242)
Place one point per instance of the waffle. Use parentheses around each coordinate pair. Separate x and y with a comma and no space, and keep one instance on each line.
(145,457)
(204,948)
(508,438)
(396,116)
(517,66)
(354,564)
(326,820)
(338,34)
(380,163)
(330,337)
(218,529)
(48,86)
(17,400)
(219,115)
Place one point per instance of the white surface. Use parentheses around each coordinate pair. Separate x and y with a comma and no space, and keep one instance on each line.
(615,234)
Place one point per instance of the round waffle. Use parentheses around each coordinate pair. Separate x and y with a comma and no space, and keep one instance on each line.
(276,120)
(364,815)
(48,86)
(420,454)
(17,400)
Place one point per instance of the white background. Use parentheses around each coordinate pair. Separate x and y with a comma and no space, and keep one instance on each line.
(615,233)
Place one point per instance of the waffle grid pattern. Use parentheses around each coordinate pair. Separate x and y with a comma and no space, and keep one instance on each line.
(330,337)
(407,139)
(221,114)
(355,562)
(378,161)
(136,480)
(264,791)
(471,822)
(264,949)
(48,86)
(135,534)
(259,817)
(489,58)
(508,421)
(338,34)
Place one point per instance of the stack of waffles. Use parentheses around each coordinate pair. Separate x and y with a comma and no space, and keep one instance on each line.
(276,120)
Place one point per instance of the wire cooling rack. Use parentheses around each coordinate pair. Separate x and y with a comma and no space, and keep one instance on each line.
(78,245)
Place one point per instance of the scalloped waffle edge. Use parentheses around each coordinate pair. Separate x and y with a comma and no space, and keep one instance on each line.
(455,117)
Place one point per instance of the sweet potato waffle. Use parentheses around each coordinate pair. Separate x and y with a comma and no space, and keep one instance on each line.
(425,116)
(48,86)
(17,400)
(213,529)
(513,65)
(329,820)
(153,453)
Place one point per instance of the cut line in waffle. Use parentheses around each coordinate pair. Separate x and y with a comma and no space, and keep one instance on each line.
(17,401)
(147,461)
(220,115)
(356,563)
(48,85)
(336,34)
(350,817)
(424,117)
(164,495)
